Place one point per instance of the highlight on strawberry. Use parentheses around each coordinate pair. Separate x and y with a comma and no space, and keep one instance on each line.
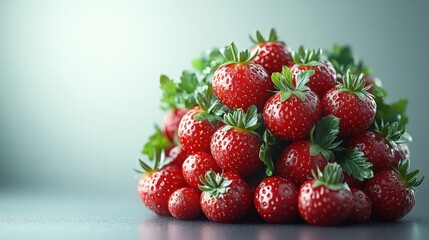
(276,134)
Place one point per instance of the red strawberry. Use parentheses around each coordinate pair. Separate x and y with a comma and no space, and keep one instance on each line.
(353,182)
(402,153)
(324,200)
(157,184)
(324,77)
(378,145)
(184,204)
(176,156)
(271,53)
(196,165)
(299,159)
(199,123)
(235,146)
(361,207)
(171,122)
(225,198)
(392,192)
(352,104)
(275,200)
(294,109)
(240,83)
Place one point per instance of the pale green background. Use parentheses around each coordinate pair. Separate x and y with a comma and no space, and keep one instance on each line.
(79,79)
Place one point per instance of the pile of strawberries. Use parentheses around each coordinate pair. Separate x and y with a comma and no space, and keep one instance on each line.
(279,134)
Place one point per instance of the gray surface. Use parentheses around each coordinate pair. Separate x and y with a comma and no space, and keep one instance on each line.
(50,216)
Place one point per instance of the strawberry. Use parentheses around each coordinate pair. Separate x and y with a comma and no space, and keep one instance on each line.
(158,183)
(235,146)
(184,204)
(199,123)
(171,122)
(294,109)
(271,53)
(300,158)
(361,207)
(324,77)
(379,144)
(275,200)
(176,156)
(240,83)
(225,197)
(351,103)
(196,165)
(392,192)
(324,200)
(402,153)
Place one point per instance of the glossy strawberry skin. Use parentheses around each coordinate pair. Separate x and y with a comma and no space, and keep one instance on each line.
(155,188)
(275,200)
(171,122)
(272,56)
(292,119)
(402,153)
(240,85)
(361,207)
(236,150)
(295,163)
(391,198)
(196,165)
(375,148)
(353,182)
(355,115)
(195,135)
(323,79)
(323,206)
(176,156)
(230,206)
(184,204)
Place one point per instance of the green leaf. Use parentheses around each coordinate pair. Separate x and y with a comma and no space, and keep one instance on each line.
(356,164)
(157,142)
(265,152)
(393,112)
(188,81)
(169,90)
(208,63)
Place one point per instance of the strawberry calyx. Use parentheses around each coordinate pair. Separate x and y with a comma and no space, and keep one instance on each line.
(284,83)
(159,162)
(354,162)
(214,183)
(323,137)
(392,133)
(265,154)
(211,110)
(244,120)
(260,39)
(331,177)
(232,55)
(409,178)
(355,84)
(307,56)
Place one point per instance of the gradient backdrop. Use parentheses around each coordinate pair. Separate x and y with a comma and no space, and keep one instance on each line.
(79,79)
